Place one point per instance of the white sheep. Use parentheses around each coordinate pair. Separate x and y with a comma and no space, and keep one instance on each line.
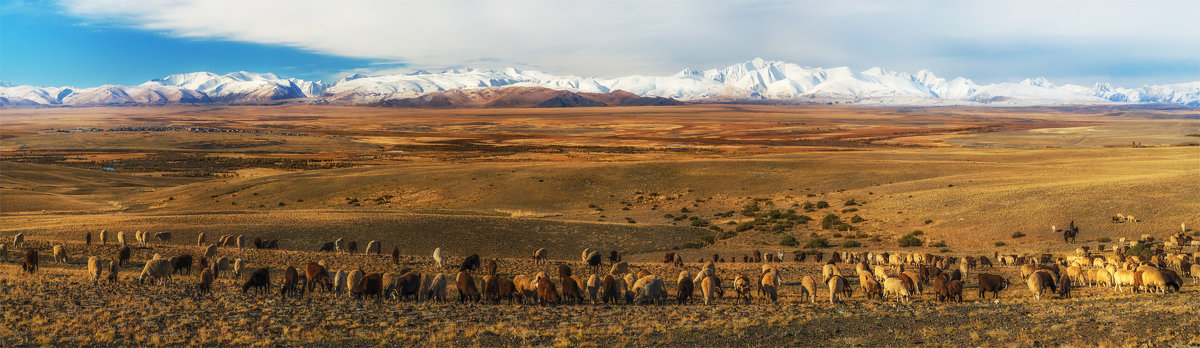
(437,256)
(437,288)
(837,285)
(238,266)
(706,289)
(94,269)
(210,252)
(353,279)
(339,282)
(156,269)
(627,289)
(59,254)
(619,268)
(894,287)
(648,289)
(219,265)
(593,287)
(104,237)
(121,238)
(372,247)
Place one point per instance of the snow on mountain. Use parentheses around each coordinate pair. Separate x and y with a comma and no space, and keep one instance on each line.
(756,79)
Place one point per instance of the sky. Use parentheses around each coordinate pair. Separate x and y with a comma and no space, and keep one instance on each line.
(85,43)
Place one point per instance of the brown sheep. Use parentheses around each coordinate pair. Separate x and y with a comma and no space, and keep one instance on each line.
(94,269)
(539,256)
(291,279)
(668,257)
(546,290)
(206,280)
(396,255)
(466,287)
(123,255)
(570,290)
(940,290)
(955,289)
(741,285)
(491,267)
(642,274)
(112,270)
(612,290)
(508,290)
(314,275)
(684,288)
(260,280)
(808,289)
(706,289)
(182,262)
(872,289)
(371,285)
(491,288)
(31,261)
(87,239)
(409,285)
(769,286)
(1064,286)
(991,283)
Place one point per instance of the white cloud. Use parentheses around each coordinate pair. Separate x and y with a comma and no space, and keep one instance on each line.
(619,37)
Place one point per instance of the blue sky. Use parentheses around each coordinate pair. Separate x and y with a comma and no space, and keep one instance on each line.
(86,43)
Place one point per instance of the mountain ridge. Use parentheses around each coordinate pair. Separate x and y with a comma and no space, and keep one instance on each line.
(756,80)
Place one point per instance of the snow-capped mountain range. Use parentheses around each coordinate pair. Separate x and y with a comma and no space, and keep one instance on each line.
(755,80)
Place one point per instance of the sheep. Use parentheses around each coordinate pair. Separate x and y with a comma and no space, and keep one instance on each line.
(156,269)
(614,257)
(201,239)
(112,270)
(828,271)
(238,266)
(437,289)
(220,265)
(163,236)
(467,291)
(223,241)
(894,287)
(339,246)
(941,292)
(808,289)
(140,237)
(706,289)
(570,288)
(837,285)
(592,286)
(1155,281)
(291,278)
(741,285)
(470,263)
(508,291)
(490,268)
(547,293)
(123,255)
(314,275)
(684,287)
(121,238)
(1123,277)
(59,254)
(613,289)
(340,278)
(370,285)
(181,262)
(649,289)
(372,247)
(437,257)
(539,256)
(260,280)
(396,255)
(87,239)
(619,268)
(593,261)
(104,237)
(353,281)
(206,280)
(210,252)
(769,286)
(872,288)
(1035,286)
(93,269)
(1195,272)
(586,252)
(241,241)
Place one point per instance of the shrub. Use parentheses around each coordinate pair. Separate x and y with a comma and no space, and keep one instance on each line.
(938,244)
(928,222)
(1000,244)
(629,220)
(849,203)
(844,227)
(1103,239)
(709,239)
(699,223)
(857,219)
(910,240)
(749,208)
(1018,235)
(851,244)
(822,204)
(831,221)
(918,232)
(849,210)
(1141,249)
(944,251)
(684,210)
(669,216)
(817,243)
(745,226)
(808,206)
(804,219)
(876,239)
(726,234)
(789,241)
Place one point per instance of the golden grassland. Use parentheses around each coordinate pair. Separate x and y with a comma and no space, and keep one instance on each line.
(503,182)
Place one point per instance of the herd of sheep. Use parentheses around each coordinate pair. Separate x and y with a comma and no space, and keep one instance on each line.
(880,276)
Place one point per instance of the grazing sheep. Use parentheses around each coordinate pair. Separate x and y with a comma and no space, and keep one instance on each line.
(828,271)
(872,289)
(940,291)
(201,239)
(992,283)
(238,266)
(1064,286)
(547,293)
(123,255)
(210,252)
(539,256)
(1123,277)
(808,289)
(586,252)
(59,254)
(894,287)
(684,287)
(315,275)
(112,270)
(955,289)
(467,291)
(206,280)
(163,236)
(104,237)
(614,257)
(223,241)
(593,287)
(612,290)
(1035,286)
(352,247)
(260,280)
(508,291)
(181,262)
(156,269)
(619,268)
(93,269)
(340,278)
(570,288)
(354,281)
(291,278)
(491,267)
(642,273)
(370,285)
(437,289)
(525,286)
(140,237)
(491,288)
(121,238)
(241,241)
(18,239)
(437,257)
(373,247)
(87,239)
(593,261)
(1195,272)
(1155,281)
(339,245)
(470,263)
(837,286)
(769,287)
(649,289)
(741,285)
(220,265)
(396,255)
